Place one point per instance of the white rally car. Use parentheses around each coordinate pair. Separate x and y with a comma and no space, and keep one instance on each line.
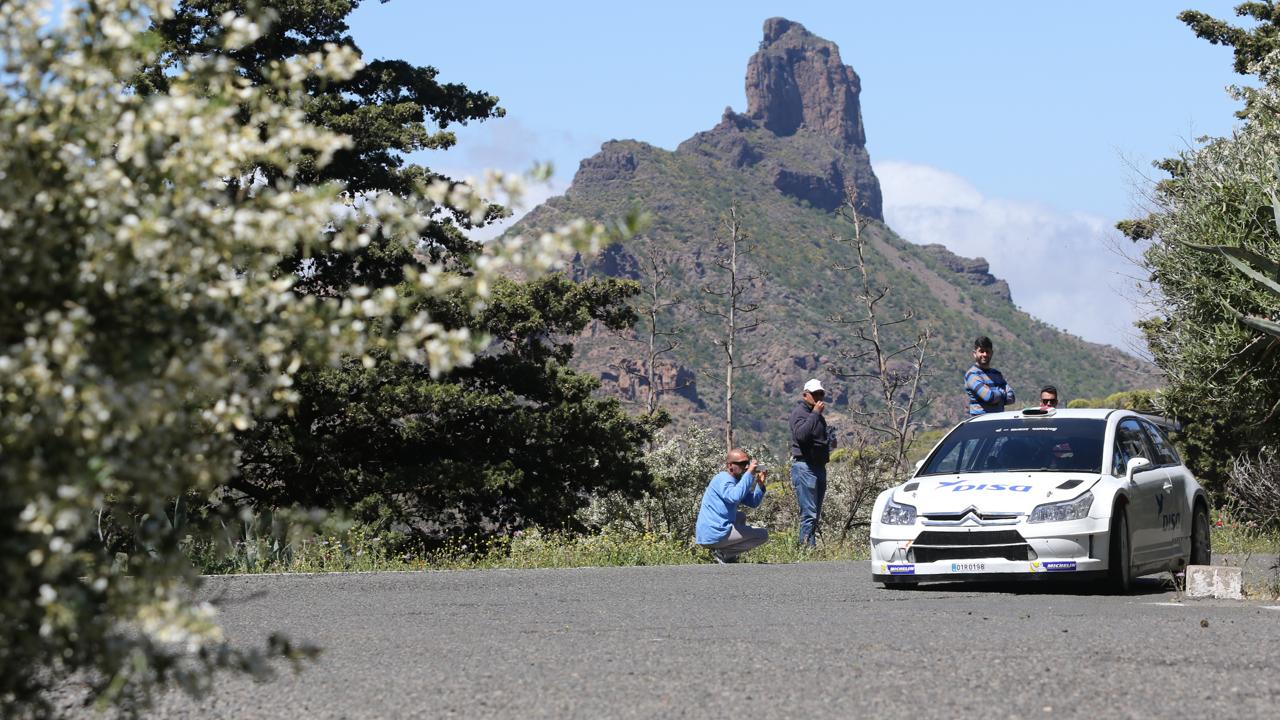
(1096,494)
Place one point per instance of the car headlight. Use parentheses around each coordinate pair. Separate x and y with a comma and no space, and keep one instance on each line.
(1060,511)
(895,514)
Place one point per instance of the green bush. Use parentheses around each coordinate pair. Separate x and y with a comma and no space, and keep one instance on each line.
(681,463)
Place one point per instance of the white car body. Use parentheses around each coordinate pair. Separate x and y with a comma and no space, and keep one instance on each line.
(971,523)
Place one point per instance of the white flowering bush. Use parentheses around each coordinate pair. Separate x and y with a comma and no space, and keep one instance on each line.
(146,321)
(682,463)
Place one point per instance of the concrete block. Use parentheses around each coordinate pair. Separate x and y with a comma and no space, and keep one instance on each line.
(1219,581)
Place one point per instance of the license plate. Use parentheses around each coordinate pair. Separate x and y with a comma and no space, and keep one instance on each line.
(968,567)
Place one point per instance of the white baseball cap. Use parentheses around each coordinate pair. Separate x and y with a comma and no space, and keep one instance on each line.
(813,386)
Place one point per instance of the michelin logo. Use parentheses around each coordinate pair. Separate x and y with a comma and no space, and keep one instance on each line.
(1054,566)
(903,569)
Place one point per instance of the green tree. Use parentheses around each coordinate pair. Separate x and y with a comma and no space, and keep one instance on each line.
(147,323)
(387,107)
(1251,45)
(516,439)
(1222,370)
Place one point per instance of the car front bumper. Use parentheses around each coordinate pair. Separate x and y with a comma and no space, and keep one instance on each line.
(1074,549)
(988,569)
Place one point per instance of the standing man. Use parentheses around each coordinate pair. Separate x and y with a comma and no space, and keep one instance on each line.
(810,450)
(722,527)
(984,386)
(1048,397)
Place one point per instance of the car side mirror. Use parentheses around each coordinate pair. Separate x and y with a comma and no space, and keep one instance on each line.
(919,464)
(1135,466)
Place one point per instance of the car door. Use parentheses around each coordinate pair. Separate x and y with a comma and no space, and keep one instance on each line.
(1174,513)
(1147,494)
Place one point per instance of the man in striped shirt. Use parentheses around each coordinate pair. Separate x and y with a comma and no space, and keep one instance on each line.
(984,386)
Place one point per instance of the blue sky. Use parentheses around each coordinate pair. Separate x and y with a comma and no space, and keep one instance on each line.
(1016,131)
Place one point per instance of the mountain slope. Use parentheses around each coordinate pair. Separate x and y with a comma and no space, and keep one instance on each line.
(785,165)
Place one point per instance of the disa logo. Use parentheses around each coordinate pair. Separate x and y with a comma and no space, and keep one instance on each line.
(956,486)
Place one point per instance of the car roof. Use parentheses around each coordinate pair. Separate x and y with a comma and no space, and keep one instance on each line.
(1081,413)
(1085,413)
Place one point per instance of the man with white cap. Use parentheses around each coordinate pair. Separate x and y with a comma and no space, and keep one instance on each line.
(810,450)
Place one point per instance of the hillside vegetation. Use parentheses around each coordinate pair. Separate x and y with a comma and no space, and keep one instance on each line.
(803,249)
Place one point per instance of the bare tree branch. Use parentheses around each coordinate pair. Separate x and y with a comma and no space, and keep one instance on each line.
(732,307)
(895,373)
(656,339)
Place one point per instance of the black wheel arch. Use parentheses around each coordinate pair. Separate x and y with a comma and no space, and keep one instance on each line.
(1200,500)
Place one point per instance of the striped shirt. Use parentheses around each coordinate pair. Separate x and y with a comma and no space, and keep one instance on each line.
(986,390)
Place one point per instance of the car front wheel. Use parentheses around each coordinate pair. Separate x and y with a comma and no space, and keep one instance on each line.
(1119,568)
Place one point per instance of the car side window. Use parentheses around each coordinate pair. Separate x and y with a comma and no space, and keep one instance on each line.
(959,458)
(1130,443)
(951,460)
(1164,452)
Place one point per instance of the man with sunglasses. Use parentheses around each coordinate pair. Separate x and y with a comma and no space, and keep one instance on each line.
(1048,397)
(722,527)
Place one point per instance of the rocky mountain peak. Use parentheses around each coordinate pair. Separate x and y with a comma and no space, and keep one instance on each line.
(797,80)
(802,132)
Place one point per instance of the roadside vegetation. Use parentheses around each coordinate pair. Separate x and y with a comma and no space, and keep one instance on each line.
(1211,244)
(1242,538)
(655,528)
(355,551)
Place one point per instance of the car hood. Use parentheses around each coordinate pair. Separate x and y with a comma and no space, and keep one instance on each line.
(1000,492)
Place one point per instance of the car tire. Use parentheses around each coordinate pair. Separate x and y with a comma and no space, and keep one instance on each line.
(1201,544)
(1120,554)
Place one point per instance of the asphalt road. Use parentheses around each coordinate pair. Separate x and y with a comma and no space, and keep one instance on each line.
(759,641)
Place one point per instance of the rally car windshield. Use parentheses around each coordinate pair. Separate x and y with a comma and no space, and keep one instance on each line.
(1036,445)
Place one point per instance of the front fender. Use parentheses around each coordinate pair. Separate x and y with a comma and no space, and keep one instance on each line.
(1107,493)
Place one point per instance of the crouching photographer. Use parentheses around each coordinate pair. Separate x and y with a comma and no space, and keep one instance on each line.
(722,526)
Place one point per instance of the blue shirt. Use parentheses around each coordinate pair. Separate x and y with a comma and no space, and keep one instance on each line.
(986,390)
(720,505)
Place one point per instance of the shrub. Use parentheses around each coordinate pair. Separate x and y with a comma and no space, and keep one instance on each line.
(682,463)
(1253,488)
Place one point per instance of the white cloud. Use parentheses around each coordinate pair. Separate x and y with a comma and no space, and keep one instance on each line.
(504,144)
(512,147)
(535,194)
(1062,267)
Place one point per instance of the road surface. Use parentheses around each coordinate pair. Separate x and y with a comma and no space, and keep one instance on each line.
(812,640)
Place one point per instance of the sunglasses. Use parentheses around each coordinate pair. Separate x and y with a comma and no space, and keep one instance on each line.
(1048,401)
(743,463)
